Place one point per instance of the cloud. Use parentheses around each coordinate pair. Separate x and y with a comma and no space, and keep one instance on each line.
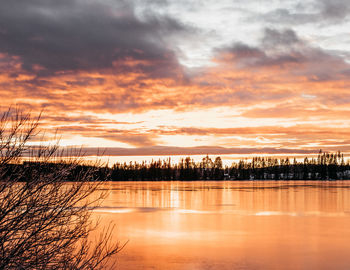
(203,150)
(96,129)
(51,37)
(282,67)
(300,130)
(322,12)
(302,111)
(89,62)
(284,49)
(336,10)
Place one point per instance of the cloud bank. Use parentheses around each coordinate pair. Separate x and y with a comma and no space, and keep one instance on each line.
(115,73)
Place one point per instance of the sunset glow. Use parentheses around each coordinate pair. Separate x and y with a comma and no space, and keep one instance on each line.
(163,78)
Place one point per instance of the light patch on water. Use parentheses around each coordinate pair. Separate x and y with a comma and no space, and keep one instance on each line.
(123,210)
(126,210)
(114,210)
(193,211)
(276,213)
(302,214)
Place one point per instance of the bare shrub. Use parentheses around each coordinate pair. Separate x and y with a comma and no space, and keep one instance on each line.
(46,203)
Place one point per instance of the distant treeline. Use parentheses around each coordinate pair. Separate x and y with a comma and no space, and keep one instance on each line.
(327,166)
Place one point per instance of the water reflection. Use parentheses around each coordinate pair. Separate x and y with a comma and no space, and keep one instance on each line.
(230,225)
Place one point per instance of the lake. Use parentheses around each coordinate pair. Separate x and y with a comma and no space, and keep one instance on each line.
(230,224)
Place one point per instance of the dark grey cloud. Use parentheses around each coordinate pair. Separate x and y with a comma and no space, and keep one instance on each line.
(53,36)
(273,38)
(284,49)
(241,50)
(277,48)
(336,10)
(323,12)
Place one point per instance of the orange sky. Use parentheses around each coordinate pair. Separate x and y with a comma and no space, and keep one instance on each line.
(165,78)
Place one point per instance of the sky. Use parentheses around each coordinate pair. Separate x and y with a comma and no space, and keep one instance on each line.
(163,77)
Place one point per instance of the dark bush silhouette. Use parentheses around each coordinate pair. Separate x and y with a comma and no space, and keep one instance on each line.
(44,219)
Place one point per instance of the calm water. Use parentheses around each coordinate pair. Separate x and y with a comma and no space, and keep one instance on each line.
(230,225)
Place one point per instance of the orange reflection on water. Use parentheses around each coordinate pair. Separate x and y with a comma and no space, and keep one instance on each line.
(230,225)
